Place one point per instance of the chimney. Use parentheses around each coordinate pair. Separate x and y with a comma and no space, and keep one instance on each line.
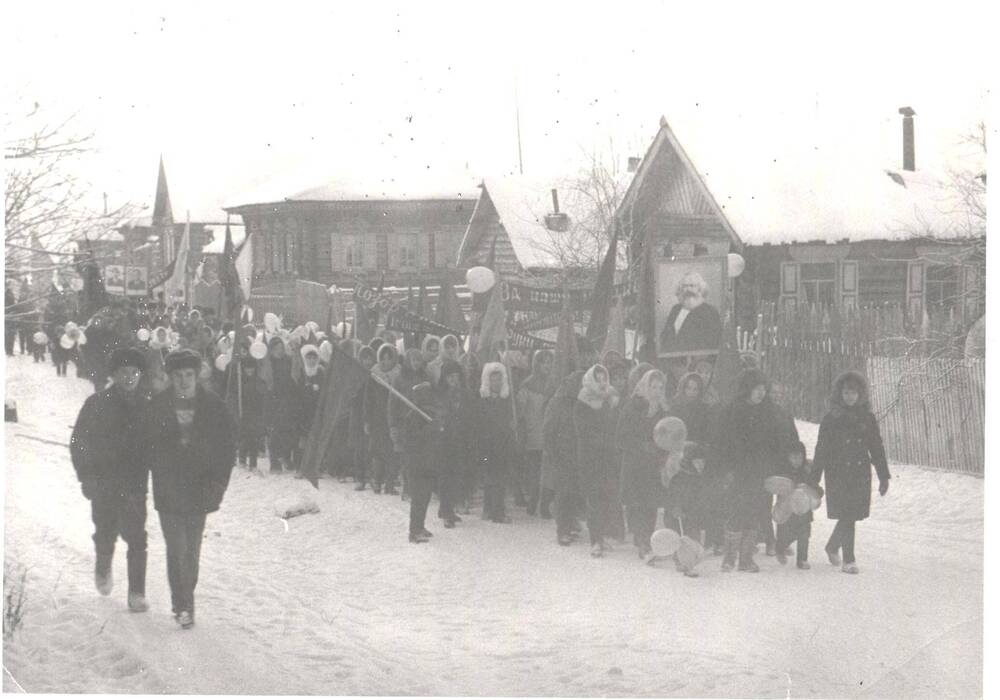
(633,164)
(909,156)
(555,201)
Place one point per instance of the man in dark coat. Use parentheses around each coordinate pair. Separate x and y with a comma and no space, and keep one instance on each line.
(107,455)
(425,448)
(849,443)
(191,437)
(692,324)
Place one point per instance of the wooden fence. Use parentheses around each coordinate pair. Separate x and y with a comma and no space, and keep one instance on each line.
(930,410)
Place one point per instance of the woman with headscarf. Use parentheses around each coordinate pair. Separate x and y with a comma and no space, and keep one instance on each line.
(595,416)
(380,446)
(449,349)
(307,392)
(618,372)
(637,373)
(494,438)
(430,348)
(456,440)
(411,373)
(849,443)
(690,406)
(278,405)
(642,459)
(751,448)
(532,396)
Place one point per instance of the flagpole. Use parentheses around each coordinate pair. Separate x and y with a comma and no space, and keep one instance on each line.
(187,282)
(402,398)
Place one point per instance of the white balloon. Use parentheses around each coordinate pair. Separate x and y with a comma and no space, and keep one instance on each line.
(258,350)
(70,326)
(325,351)
(76,284)
(735,264)
(142,334)
(82,339)
(66,342)
(480,279)
(223,360)
(40,338)
(665,542)
(271,322)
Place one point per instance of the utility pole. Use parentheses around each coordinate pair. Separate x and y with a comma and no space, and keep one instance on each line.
(517,119)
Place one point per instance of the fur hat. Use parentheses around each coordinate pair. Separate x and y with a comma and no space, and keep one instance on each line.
(850,378)
(183,359)
(126,357)
(489,369)
(309,349)
(386,349)
(449,367)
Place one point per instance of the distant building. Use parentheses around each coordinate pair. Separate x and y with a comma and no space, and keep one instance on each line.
(336,233)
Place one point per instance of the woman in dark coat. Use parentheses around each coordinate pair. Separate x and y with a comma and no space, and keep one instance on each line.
(641,488)
(494,437)
(750,446)
(456,456)
(358,441)
(849,444)
(376,396)
(279,413)
(690,406)
(595,417)
(559,456)
(424,447)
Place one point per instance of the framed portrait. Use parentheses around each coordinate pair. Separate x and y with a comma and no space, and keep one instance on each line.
(136,281)
(690,298)
(114,279)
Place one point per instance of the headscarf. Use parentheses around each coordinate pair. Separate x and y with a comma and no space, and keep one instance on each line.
(681,398)
(413,355)
(446,354)
(428,339)
(643,389)
(637,373)
(449,367)
(595,394)
(489,369)
(536,382)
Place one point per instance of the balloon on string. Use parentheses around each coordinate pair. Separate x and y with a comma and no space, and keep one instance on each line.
(76,284)
(70,326)
(40,338)
(800,502)
(690,553)
(778,485)
(480,279)
(670,434)
(325,351)
(782,510)
(142,334)
(65,342)
(258,350)
(735,264)
(665,542)
(271,322)
(82,338)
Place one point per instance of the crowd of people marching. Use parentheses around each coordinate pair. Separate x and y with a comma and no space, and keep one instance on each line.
(578,449)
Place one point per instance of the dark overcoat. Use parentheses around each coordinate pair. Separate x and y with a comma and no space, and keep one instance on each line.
(641,457)
(106,444)
(849,443)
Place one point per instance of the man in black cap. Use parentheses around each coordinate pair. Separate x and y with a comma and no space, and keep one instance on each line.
(192,446)
(106,450)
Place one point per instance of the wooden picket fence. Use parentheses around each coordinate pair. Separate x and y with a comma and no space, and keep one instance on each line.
(930,410)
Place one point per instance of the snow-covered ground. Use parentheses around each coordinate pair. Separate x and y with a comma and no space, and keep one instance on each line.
(339,603)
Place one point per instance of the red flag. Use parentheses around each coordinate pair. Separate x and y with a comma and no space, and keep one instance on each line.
(602,297)
(345,378)
(494,326)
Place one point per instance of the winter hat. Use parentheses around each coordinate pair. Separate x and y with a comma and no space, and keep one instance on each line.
(385,350)
(637,373)
(593,393)
(854,379)
(183,359)
(309,350)
(366,352)
(642,389)
(126,357)
(491,368)
(449,367)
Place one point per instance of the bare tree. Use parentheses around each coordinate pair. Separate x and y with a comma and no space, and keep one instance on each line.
(46,202)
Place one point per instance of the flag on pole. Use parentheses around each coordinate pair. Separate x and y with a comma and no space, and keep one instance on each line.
(449,308)
(614,339)
(345,378)
(494,326)
(230,293)
(602,298)
(565,356)
(244,268)
(176,285)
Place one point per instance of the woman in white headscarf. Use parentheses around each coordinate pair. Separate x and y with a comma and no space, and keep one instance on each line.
(494,436)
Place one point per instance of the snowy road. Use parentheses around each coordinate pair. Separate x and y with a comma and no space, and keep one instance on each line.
(341,604)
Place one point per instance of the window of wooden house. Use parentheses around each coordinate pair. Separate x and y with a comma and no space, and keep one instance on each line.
(819,282)
(407,250)
(354,252)
(881,282)
(942,286)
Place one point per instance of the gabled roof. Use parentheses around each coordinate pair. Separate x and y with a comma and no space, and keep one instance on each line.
(521,203)
(828,183)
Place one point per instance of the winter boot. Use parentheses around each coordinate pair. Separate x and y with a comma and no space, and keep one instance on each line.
(833,556)
(748,545)
(137,581)
(185,618)
(732,544)
(137,602)
(103,577)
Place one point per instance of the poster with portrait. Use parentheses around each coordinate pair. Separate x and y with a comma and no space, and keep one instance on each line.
(136,282)
(690,296)
(114,279)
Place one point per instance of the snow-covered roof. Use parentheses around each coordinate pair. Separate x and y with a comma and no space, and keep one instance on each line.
(824,184)
(218,242)
(312,187)
(522,202)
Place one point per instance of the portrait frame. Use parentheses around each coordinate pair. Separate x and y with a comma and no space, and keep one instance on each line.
(114,279)
(668,273)
(133,290)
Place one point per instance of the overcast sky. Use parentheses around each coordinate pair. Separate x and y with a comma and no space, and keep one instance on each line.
(233,94)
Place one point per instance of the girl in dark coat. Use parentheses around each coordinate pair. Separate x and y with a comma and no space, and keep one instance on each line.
(690,406)
(750,448)
(559,453)
(494,435)
(279,406)
(247,402)
(849,444)
(595,417)
(641,489)
(358,440)
(380,447)
(456,445)
(307,393)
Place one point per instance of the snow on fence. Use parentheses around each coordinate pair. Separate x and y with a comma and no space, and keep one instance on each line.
(931,410)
